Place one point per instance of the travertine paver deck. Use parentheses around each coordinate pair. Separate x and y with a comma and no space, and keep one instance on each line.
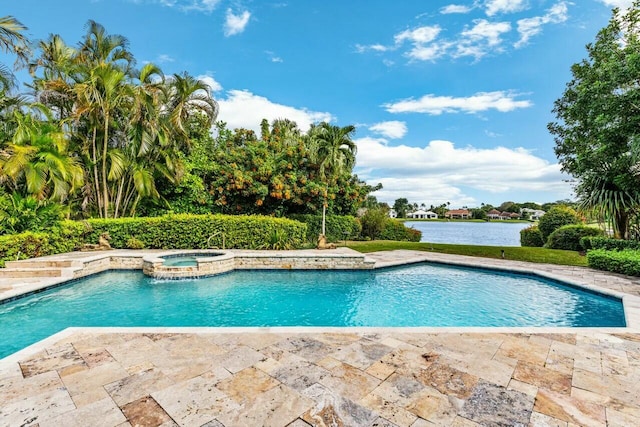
(375,378)
(333,377)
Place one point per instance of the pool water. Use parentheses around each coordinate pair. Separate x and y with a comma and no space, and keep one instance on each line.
(185,261)
(418,295)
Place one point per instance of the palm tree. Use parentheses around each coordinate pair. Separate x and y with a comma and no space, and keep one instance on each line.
(12,41)
(615,201)
(188,95)
(104,65)
(57,63)
(335,155)
(38,162)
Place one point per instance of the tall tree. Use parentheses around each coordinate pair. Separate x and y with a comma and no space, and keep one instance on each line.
(336,154)
(127,125)
(597,132)
(401,206)
(13,41)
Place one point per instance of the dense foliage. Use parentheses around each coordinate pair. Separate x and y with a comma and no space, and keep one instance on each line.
(376,224)
(531,237)
(597,132)
(623,262)
(609,244)
(338,227)
(100,137)
(396,230)
(281,173)
(186,231)
(65,237)
(569,237)
(164,232)
(556,218)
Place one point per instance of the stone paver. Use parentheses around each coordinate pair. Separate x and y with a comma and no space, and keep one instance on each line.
(403,385)
(351,377)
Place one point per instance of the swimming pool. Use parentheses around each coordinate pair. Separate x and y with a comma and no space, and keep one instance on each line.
(417,295)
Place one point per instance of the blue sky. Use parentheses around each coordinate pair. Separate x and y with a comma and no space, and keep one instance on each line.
(450,99)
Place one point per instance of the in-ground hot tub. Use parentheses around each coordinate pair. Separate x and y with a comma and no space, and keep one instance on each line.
(187,264)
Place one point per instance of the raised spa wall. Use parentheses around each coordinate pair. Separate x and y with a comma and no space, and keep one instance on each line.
(207,264)
(217,262)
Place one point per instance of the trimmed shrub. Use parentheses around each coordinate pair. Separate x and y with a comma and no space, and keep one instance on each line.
(623,262)
(396,230)
(532,237)
(337,227)
(65,237)
(186,231)
(556,218)
(609,244)
(134,243)
(568,237)
(374,222)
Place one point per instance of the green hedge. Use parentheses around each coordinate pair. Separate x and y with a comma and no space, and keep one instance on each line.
(624,262)
(165,232)
(555,218)
(531,237)
(337,227)
(186,231)
(396,230)
(569,237)
(66,237)
(609,243)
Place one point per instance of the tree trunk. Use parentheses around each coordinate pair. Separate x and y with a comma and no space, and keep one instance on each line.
(324,209)
(621,225)
(105,189)
(96,179)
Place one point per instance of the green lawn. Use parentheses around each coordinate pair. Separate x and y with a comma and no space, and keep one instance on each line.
(540,255)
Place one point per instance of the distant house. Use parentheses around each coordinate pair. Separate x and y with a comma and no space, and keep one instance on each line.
(393,213)
(458,214)
(420,214)
(505,215)
(515,215)
(493,214)
(534,214)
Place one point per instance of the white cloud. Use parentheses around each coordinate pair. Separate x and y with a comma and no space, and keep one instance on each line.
(235,24)
(481,101)
(243,109)
(621,4)
(438,172)
(428,53)
(423,41)
(418,35)
(374,47)
(456,8)
(529,27)
(163,58)
(206,6)
(392,129)
(273,57)
(425,48)
(480,38)
(484,37)
(211,82)
(494,7)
